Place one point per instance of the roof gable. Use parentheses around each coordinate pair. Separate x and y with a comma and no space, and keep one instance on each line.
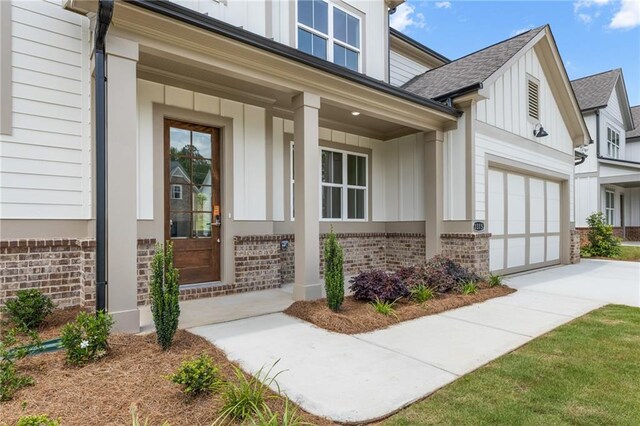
(595,91)
(469,71)
(635,114)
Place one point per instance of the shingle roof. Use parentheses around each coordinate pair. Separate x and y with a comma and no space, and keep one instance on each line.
(594,91)
(469,70)
(635,113)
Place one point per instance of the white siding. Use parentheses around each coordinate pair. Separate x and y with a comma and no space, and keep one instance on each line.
(632,151)
(455,173)
(632,206)
(506,107)
(248,14)
(249,146)
(613,107)
(586,198)
(45,164)
(591,163)
(398,179)
(403,69)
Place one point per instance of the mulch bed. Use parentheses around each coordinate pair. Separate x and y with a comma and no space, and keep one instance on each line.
(360,317)
(134,372)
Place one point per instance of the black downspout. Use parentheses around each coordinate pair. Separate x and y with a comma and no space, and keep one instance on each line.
(105,13)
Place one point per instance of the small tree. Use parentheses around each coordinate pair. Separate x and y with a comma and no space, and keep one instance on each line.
(333,272)
(165,295)
(602,242)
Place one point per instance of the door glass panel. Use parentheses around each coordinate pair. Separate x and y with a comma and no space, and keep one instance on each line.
(201,172)
(201,199)
(202,145)
(180,224)
(202,224)
(180,141)
(179,201)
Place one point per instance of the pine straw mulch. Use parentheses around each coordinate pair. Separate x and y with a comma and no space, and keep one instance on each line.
(53,323)
(361,317)
(134,372)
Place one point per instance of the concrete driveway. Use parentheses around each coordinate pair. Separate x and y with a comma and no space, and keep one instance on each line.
(605,281)
(364,377)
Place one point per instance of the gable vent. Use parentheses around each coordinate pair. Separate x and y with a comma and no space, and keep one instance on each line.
(534,98)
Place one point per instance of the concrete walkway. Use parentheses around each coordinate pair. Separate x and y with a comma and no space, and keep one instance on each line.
(364,377)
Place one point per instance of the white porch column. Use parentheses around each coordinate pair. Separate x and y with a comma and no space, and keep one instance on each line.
(433,191)
(122,250)
(307,284)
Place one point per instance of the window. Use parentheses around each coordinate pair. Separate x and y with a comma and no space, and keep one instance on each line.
(533,99)
(613,143)
(329,32)
(176,192)
(343,185)
(609,206)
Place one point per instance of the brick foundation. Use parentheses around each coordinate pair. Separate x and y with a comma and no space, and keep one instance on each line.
(260,262)
(575,242)
(471,250)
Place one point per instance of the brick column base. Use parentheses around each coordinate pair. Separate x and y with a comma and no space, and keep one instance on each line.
(575,238)
(470,250)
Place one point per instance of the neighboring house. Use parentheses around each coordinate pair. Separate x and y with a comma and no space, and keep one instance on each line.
(471,158)
(608,180)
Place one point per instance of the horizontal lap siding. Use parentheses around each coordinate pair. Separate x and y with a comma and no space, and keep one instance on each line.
(403,69)
(45,169)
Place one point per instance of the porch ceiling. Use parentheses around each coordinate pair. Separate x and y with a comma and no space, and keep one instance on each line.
(180,72)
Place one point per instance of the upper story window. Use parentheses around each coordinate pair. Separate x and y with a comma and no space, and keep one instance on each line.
(609,206)
(533,98)
(329,32)
(613,143)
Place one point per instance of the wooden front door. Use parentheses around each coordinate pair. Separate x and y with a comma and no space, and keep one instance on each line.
(192,199)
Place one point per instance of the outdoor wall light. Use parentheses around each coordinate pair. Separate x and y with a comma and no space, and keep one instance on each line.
(539,131)
(355,113)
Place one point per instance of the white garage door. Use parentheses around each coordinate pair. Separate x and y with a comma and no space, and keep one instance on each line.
(524,221)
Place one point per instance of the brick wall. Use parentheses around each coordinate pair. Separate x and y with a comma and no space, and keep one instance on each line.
(471,250)
(63,269)
(261,263)
(574,246)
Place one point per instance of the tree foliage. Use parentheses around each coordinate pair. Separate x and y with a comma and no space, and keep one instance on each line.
(333,272)
(165,293)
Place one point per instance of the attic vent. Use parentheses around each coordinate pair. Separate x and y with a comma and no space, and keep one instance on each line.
(533,99)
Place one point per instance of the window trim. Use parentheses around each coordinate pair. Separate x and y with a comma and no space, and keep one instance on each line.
(344,209)
(175,186)
(331,40)
(610,208)
(613,145)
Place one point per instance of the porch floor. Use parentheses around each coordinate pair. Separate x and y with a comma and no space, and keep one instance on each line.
(213,310)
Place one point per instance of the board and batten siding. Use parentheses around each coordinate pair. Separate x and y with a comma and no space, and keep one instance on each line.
(506,107)
(587,194)
(249,146)
(403,69)
(45,162)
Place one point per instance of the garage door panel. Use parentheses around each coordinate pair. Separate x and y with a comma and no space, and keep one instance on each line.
(516,252)
(553,207)
(536,249)
(536,206)
(516,213)
(524,220)
(553,248)
(496,202)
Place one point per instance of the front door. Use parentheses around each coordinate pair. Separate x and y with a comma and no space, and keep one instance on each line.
(192,199)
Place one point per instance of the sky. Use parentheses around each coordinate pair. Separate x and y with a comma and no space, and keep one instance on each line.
(592,35)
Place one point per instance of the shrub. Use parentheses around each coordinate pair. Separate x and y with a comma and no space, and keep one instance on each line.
(375,285)
(248,397)
(495,280)
(421,293)
(42,420)
(164,293)
(197,376)
(602,242)
(85,339)
(469,287)
(405,272)
(442,275)
(29,308)
(12,350)
(384,307)
(333,272)
(290,417)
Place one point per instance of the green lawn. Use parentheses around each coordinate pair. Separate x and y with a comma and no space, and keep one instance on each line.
(629,253)
(586,372)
